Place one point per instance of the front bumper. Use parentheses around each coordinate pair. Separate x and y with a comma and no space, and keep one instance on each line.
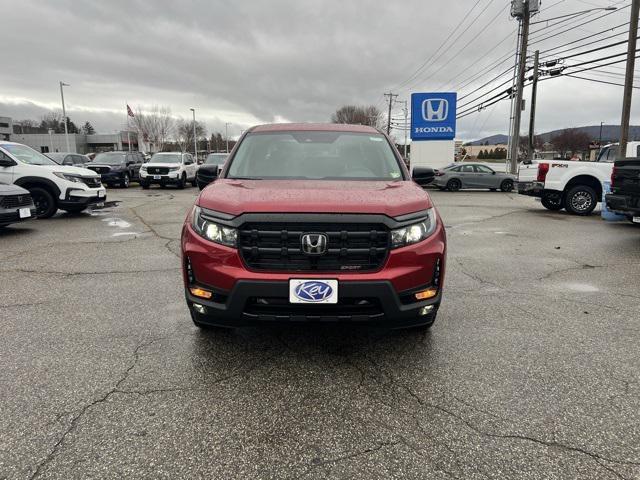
(253,302)
(221,270)
(532,189)
(80,197)
(170,178)
(9,216)
(623,204)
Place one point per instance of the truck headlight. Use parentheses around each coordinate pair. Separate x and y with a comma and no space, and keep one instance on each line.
(212,231)
(68,177)
(174,169)
(416,232)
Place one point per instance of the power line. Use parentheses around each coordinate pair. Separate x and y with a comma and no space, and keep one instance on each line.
(424,64)
(413,84)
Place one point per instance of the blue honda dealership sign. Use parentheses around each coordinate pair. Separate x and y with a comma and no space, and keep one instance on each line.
(433,116)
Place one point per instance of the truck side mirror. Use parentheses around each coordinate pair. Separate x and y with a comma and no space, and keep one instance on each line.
(423,175)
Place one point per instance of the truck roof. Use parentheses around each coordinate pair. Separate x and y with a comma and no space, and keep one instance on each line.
(323,127)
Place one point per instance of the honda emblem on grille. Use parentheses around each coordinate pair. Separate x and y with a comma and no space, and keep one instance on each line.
(314,243)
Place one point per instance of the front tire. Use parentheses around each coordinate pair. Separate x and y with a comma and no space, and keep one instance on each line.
(581,200)
(46,205)
(126,181)
(506,186)
(552,201)
(454,185)
(182,182)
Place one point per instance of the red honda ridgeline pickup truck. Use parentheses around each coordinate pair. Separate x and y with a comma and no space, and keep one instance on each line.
(314,222)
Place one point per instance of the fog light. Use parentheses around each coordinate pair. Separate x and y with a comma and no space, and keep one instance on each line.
(199,308)
(199,292)
(425,294)
(425,310)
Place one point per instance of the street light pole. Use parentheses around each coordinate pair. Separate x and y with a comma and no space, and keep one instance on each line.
(226,135)
(64,114)
(195,141)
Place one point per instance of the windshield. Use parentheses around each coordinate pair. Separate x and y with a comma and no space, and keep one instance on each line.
(28,155)
(315,155)
(109,158)
(166,158)
(216,159)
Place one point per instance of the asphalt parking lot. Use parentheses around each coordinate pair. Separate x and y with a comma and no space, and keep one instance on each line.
(531,371)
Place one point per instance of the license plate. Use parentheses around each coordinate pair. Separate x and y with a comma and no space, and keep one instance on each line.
(636,219)
(156,177)
(24,213)
(313,291)
(100,194)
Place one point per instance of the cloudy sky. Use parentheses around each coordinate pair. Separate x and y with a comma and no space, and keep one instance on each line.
(257,61)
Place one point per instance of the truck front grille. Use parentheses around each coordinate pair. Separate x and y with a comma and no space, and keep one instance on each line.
(158,170)
(278,246)
(92,182)
(16,201)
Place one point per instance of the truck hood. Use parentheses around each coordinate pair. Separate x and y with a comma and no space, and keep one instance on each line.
(83,172)
(12,190)
(314,196)
(161,165)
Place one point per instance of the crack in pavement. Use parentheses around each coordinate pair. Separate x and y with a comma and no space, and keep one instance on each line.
(348,456)
(151,229)
(584,266)
(76,419)
(74,274)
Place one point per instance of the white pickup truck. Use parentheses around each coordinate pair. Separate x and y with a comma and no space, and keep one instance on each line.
(575,186)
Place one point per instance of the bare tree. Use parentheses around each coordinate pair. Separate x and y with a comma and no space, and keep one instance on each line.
(184,133)
(358,115)
(571,140)
(155,126)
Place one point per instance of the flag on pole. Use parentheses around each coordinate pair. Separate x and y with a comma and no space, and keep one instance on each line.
(129,111)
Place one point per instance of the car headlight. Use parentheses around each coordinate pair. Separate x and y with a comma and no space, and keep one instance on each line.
(213,231)
(143,168)
(174,169)
(416,232)
(68,177)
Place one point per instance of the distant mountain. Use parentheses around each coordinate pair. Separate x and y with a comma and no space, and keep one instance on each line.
(610,133)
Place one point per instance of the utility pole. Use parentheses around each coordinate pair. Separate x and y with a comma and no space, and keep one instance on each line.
(600,136)
(195,140)
(64,115)
(628,79)
(226,135)
(532,114)
(522,66)
(406,127)
(391,96)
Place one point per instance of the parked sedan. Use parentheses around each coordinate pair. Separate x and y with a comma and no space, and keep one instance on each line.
(69,159)
(16,204)
(210,169)
(473,175)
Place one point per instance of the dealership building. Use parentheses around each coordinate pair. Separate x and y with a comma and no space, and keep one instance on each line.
(78,142)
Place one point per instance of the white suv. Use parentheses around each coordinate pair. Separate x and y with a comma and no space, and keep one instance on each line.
(169,168)
(52,186)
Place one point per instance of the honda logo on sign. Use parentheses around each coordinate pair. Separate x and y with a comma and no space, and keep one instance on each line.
(435,109)
(314,243)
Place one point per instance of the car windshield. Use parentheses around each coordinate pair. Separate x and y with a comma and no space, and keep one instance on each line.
(28,155)
(166,158)
(318,155)
(216,159)
(109,158)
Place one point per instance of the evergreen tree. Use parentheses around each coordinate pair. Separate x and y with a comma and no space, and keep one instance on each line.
(88,129)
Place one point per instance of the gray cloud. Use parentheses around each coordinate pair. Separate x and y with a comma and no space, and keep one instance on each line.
(247,62)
